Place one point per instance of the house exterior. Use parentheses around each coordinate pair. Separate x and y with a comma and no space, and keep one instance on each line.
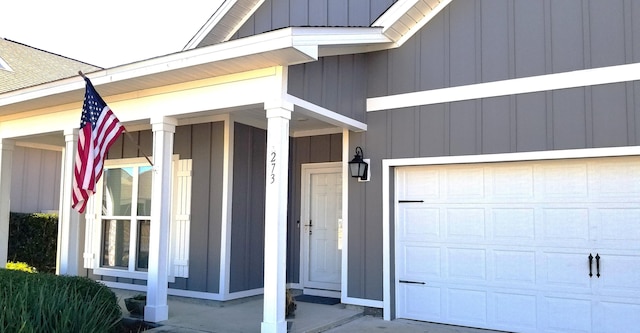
(503,138)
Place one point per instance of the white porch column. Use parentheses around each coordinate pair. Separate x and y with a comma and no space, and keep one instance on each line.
(6,158)
(156,309)
(70,243)
(275,234)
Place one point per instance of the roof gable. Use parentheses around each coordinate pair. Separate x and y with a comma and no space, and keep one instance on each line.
(401,20)
(24,66)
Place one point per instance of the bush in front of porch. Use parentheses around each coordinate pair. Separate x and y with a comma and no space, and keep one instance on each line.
(50,303)
(33,239)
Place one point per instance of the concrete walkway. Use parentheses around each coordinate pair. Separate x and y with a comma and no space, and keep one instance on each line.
(245,316)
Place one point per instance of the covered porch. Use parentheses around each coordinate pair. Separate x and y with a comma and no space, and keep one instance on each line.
(233,84)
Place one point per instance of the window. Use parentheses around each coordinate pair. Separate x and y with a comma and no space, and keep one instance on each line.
(125,217)
(119,219)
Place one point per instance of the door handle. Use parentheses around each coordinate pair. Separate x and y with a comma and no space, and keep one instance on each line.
(309,225)
(590,264)
(598,265)
(411,282)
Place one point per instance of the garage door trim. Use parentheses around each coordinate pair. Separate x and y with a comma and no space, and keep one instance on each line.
(389,164)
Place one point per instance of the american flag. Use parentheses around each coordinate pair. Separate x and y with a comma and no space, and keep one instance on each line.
(99,129)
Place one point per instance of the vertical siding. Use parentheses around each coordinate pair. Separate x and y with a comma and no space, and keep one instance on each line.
(247,229)
(336,83)
(276,14)
(482,41)
(35,180)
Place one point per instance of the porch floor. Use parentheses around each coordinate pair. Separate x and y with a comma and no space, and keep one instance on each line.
(188,315)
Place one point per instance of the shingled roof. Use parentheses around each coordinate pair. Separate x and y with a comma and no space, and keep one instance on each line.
(24,66)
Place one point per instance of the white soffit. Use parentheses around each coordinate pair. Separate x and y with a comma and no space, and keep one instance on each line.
(406,17)
(574,79)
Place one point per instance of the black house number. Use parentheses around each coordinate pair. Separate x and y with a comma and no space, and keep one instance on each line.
(273,167)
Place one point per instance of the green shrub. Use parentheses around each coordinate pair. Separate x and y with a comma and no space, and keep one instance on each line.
(33,239)
(20,266)
(34,303)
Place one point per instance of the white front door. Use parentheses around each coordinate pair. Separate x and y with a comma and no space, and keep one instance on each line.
(321,226)
(548,246)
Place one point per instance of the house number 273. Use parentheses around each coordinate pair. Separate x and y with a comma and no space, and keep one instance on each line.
(272,175)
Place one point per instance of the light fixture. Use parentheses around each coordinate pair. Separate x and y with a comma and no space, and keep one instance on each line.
(358,167)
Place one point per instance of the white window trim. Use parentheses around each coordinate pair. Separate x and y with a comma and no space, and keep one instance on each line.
(93,235)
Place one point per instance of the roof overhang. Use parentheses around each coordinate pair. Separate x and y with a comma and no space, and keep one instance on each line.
(284,47)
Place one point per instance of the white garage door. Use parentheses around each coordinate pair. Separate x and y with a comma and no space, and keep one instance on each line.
(510,246)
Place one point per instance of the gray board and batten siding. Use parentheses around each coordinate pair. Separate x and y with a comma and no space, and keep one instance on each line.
(473,42)
(481,41)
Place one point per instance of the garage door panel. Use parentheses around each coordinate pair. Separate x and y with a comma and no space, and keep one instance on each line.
(424,303)
(465,184)
(516,312)
(619,274)
(561,181)
(467,306)
(566,226)
(613,316)
(513,225)
(615,180)
(566,271)
(466,264)
(425,223)
(566,314)
(619,224)
(428,258)
(513,183)
(514,267)
(465,223)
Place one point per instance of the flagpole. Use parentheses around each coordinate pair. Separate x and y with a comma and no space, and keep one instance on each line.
(125,131)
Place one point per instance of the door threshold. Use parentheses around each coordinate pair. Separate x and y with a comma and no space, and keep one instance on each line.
(321,292)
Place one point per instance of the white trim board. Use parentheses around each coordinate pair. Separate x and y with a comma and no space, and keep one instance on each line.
(580,78)
(388,164)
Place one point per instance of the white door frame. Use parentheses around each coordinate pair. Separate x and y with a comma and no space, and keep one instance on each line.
(307,170)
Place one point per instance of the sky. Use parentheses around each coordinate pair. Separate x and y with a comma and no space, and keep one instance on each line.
(105,33)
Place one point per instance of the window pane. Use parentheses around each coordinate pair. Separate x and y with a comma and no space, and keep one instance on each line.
(117,192)
(115,243)
(144,191)
(143,245)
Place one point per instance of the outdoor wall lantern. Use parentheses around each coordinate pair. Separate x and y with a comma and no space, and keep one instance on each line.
(359,167)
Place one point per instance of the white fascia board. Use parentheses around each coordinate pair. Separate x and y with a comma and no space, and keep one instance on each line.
(423,22)
(210,24)
(394,13)
(574,79)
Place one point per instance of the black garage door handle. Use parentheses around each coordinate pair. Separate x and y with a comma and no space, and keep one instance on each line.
(411,282)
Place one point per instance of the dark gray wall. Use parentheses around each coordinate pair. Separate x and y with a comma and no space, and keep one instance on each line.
(276,14)
(337,83)
(247,227)
(480,41)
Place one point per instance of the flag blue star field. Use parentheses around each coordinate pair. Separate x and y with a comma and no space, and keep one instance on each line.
(99,129)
